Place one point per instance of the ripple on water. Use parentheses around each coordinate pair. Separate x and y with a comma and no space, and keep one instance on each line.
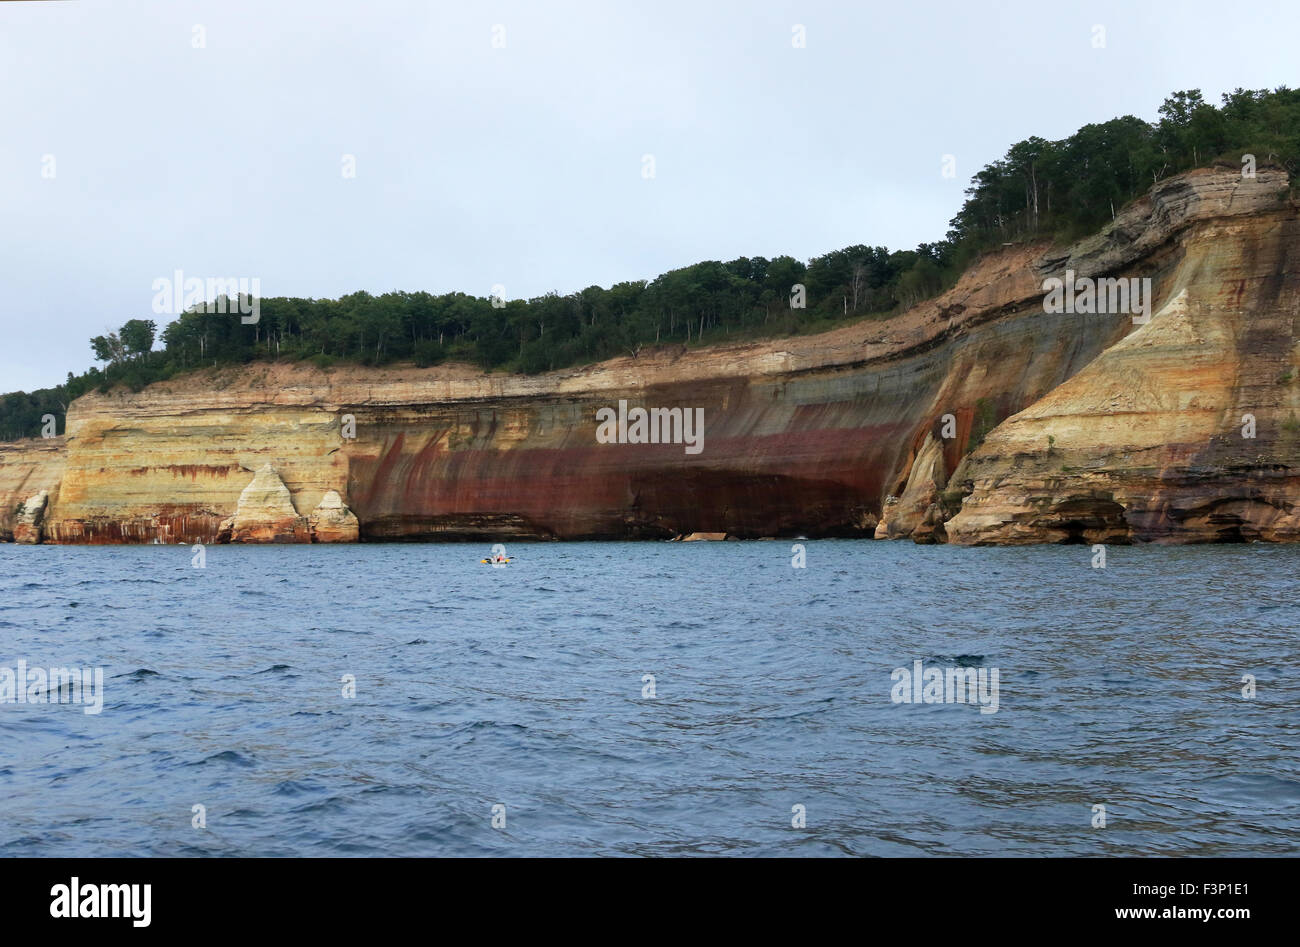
(382,698)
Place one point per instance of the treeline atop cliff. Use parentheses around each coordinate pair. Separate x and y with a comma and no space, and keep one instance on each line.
(1072,187)
(1062,189)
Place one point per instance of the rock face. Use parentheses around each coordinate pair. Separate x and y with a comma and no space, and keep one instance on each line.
(27,468)
(1185,431)
(916,513)
(28,517)
(1089,427)
(265,512)
(333,522)
(802,436)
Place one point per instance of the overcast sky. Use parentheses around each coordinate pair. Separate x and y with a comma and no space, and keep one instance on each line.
(523,164)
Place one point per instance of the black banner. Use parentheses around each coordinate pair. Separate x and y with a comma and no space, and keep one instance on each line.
(333,897)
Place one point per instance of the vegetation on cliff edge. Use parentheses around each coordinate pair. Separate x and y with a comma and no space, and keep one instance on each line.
(1062,189)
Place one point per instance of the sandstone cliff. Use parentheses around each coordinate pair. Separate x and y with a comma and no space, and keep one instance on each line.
(808,435)
(333,522)
(28,468)
(1186,430)
(265,513)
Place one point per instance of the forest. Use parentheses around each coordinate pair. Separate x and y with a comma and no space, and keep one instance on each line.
(1040,189)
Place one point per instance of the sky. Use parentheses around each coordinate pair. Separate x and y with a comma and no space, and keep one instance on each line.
(534,146)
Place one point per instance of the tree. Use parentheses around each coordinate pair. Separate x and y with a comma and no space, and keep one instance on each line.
(1046,189)
(108,348)
(1023,160)
(137,336)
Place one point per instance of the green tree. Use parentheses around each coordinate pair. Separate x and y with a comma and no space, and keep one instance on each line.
(137,336)
(108,348)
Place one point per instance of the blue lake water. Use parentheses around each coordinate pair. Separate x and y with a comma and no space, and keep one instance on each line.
(523,687)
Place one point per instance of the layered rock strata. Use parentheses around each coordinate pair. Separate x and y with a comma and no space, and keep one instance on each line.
(28,468)
(333,522)
(1187,430)
(1085,427)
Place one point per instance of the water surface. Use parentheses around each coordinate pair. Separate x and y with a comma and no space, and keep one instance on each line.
(522,686)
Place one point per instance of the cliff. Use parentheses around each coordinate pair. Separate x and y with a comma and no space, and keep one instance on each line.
(1186,430)
(28,469)
(809,435)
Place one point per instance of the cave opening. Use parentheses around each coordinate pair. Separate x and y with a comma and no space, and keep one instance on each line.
(1096,515)
(1074,533)
(1231,534)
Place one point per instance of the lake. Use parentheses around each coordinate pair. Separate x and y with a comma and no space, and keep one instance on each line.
(652,699)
